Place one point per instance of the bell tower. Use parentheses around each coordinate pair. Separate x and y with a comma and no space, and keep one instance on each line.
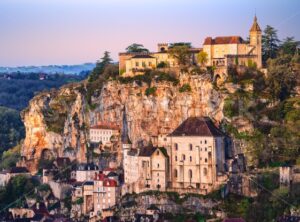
(255,40)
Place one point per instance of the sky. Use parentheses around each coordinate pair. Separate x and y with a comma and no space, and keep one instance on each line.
(44,32)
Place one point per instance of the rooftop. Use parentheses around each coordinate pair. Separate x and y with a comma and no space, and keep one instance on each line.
(197,126)
(223,40)
(142,57)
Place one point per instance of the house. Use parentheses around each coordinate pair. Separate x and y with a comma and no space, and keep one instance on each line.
(86,172)
(132,64)
(106,193)
(197,156)
(82,197)
(104,133)
(6,175)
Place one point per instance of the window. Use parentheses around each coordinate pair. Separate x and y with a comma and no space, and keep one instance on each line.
(136,64)
(191,158)
(183,157)
(176,146)
(205,171)
(209,154)
(205,141)
(205,149)
(175,158)
(157,153)
(205,160)
(143,64)
(191,147)
(190,174)
(175,173)
(158,165)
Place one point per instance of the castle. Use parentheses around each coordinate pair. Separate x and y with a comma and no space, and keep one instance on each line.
(222,52)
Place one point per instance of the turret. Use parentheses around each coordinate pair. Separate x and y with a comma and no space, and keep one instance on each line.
(255,40)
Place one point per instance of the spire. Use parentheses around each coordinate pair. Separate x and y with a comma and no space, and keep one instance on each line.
(255,27)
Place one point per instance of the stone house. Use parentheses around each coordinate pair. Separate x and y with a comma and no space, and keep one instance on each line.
(86,172)
(103,133)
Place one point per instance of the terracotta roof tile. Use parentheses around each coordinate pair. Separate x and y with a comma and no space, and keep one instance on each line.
(223,40)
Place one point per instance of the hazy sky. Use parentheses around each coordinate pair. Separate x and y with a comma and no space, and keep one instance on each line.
(41,32)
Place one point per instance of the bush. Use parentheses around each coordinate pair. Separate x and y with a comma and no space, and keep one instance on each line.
(185,88)
(150,91)
(162,65)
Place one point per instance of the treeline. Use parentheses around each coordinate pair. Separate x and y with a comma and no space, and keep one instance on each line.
(17,89)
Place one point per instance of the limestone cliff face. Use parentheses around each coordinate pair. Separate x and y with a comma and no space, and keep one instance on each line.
(149,116)
(55,126)
(57,122)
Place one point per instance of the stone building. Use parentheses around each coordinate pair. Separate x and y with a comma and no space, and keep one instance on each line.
(103,133)
(197,156)
(145,168)
(222,52)
(234,50)
(86,172)
(106,194)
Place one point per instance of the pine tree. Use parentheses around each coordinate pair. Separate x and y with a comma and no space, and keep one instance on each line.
(100,66)
(270,43)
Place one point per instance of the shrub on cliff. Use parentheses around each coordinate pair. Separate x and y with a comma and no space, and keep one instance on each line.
(185,88)
(150,91)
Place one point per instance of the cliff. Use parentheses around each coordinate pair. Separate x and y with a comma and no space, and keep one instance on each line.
(57,122)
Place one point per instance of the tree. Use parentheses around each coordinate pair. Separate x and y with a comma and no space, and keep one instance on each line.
(270,43)
(136,48)
(289,46)
(100,66)
(202,58)
(181,54)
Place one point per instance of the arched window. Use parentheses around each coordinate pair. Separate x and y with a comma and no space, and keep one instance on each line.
(191,147)
(190,174)
(205,171)
(175,173)
(191,158)
(176,146)
(158,165)
(183,157)
(157,153)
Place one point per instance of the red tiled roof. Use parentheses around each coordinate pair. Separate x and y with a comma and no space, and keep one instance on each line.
(223,40)
(197,126)
(110,183)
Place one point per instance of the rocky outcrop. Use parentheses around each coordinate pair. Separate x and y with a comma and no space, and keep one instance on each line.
(57,122)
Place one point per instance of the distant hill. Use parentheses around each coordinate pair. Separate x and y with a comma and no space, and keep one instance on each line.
(50,69)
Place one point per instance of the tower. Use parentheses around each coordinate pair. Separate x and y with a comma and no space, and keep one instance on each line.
(255,40)
(162,47)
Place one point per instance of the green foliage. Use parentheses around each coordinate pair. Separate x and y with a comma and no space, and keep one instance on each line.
(270,43)
(17,187)
(282,78)
(202,58)
(162,65)
(11,130)
(289,46)
(150,91)
(136,48)
(180,53)
(185,88)
(230,108)
(17,92)
(100,66)
(10,157)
